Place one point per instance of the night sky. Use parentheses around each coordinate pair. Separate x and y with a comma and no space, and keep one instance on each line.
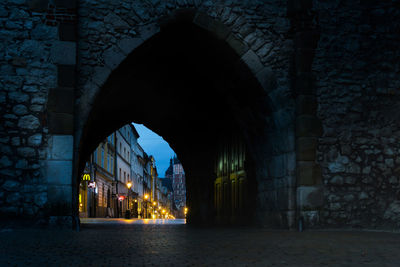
(155,145)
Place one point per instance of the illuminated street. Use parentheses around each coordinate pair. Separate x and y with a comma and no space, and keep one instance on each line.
(120,221)
(118,242)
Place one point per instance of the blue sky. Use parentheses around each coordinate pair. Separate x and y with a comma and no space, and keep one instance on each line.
(155,145)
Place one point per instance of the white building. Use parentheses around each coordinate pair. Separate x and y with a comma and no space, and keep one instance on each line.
(123,175)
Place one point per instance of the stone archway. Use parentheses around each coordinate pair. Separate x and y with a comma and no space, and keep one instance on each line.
(249,100)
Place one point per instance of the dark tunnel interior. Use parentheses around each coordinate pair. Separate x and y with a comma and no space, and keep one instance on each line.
(193,90)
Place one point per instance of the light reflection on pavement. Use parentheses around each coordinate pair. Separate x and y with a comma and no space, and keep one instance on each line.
(131,221)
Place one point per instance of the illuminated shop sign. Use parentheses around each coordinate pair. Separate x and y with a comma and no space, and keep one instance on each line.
(86,177)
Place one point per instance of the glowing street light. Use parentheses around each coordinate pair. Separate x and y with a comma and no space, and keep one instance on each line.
(146,197)
(128,213)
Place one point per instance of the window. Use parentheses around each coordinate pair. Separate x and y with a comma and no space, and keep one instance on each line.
(120,178)
(95,155)
(112,165)
(128,155)
(124,152)
(108,162)
(102,157)
(120,147)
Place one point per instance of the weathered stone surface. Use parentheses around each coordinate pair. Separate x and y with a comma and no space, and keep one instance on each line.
(35,140)
(393,212)
(61,147)
(21,164)
(11,185)
(20,110)
(26,152)
(44,32)
(5,162)
(63,52)
(41,199)
(59,172)
(113,57)
(252,61)
(29,122)
(309,197)
(129,44)
(337,180)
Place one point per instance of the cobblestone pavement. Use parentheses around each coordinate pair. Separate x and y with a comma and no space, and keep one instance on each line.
(160,243)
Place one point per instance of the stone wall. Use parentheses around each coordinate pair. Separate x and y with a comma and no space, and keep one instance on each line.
(357,66)
(35,132)
(328,149)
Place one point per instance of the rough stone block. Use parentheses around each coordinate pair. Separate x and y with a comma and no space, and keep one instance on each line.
(63,52)
(267,79)
(308,126)
(283,118)
(61,147)
(305,174)
(113,57)
(100,75)
(60,123)
(59,172)
(237,45)
(252,61)
(310,197)
(149,31)
(61,100)
(29,122)
(306,148)
(129,44)
(216,27)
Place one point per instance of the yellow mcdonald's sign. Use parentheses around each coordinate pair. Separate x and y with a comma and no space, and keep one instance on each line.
(86,177)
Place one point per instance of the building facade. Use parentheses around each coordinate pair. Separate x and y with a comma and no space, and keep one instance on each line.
(121,180)
(97,185)
(177,174)
(230,187)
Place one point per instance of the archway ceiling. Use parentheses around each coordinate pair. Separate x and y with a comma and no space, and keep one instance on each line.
(186,85)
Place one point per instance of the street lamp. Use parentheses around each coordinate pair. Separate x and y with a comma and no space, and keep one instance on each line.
(128,212)
(146,197)
(154,208)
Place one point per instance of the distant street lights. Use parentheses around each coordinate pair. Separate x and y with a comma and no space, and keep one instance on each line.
(128,212)
(146,197)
